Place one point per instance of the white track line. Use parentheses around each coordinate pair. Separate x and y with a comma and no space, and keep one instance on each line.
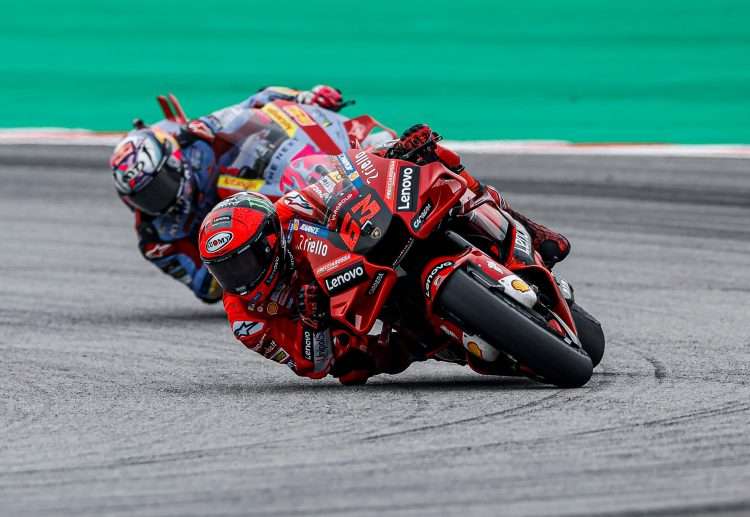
(62,136)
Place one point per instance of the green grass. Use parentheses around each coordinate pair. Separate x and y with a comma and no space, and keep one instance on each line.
(583,70)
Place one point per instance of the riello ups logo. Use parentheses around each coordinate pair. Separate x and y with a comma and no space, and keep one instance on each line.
(346,278)
(408,189)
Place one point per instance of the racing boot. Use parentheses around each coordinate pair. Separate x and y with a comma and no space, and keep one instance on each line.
(552,246)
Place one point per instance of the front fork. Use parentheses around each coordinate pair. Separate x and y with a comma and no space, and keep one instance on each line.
(485,270)
(495,277)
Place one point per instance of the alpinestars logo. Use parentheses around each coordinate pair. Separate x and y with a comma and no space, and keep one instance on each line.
(419,220)
(408,185)
(431,277)
(295,199)
(246,328)
(346,278)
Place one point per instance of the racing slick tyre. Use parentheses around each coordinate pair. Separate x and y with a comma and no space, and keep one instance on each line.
(589,332)
(514,330)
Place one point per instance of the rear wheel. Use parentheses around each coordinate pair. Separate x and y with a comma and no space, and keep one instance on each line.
(515,330)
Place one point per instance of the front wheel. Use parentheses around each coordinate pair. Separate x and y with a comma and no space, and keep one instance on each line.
(514,330)
(589,332)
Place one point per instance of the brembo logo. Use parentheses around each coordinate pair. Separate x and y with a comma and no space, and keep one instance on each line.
(408,183)
(218,241)
(346,278)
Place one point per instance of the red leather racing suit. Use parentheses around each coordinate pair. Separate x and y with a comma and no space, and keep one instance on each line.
(274,329)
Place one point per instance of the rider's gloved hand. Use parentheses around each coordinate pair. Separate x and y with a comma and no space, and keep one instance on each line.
(193,131)
(212,292)
(324,96)
(313,306)
(416,145)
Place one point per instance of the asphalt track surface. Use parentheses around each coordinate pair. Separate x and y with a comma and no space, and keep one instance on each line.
(122,395)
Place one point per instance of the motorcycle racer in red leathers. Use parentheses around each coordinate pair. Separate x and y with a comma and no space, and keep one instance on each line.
(167,174)
(272,301)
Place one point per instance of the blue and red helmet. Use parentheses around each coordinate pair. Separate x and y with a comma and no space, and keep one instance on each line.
(243,246)
(149,171)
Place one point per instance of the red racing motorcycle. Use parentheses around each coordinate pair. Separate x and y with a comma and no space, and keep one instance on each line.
(409,249)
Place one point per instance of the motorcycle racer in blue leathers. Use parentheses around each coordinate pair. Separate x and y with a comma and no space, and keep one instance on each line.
(171,174)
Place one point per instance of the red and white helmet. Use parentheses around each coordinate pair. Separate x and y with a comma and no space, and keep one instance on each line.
(242,244)
(149,171)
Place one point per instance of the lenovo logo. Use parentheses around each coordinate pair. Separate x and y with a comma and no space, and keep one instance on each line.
(345,279)
(408,184)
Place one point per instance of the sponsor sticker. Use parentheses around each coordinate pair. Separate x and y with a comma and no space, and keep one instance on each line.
(520,286)
(297,200)
(390,182)
(307,344)
(239,184)
(480,348)
(299,115)
(157,251)
(223,221)
(322,350)
(523,240)
(432,277)
(274,270)
(122,152)
(408,188)
(375,285)
(281,118)
(281,356)
(218,241)
(247,328)
(333,216)
(325,268)
(312,229)
(312,246)
(346,278)
(346,163)
(421,217)
(365,166)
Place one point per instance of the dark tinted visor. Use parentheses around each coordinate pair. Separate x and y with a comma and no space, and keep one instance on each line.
(243,270)
(160,193)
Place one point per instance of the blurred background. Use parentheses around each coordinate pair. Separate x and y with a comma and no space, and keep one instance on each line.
(581,70)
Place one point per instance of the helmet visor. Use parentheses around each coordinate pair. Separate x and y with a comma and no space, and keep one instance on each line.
(241,271)
(159,194)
